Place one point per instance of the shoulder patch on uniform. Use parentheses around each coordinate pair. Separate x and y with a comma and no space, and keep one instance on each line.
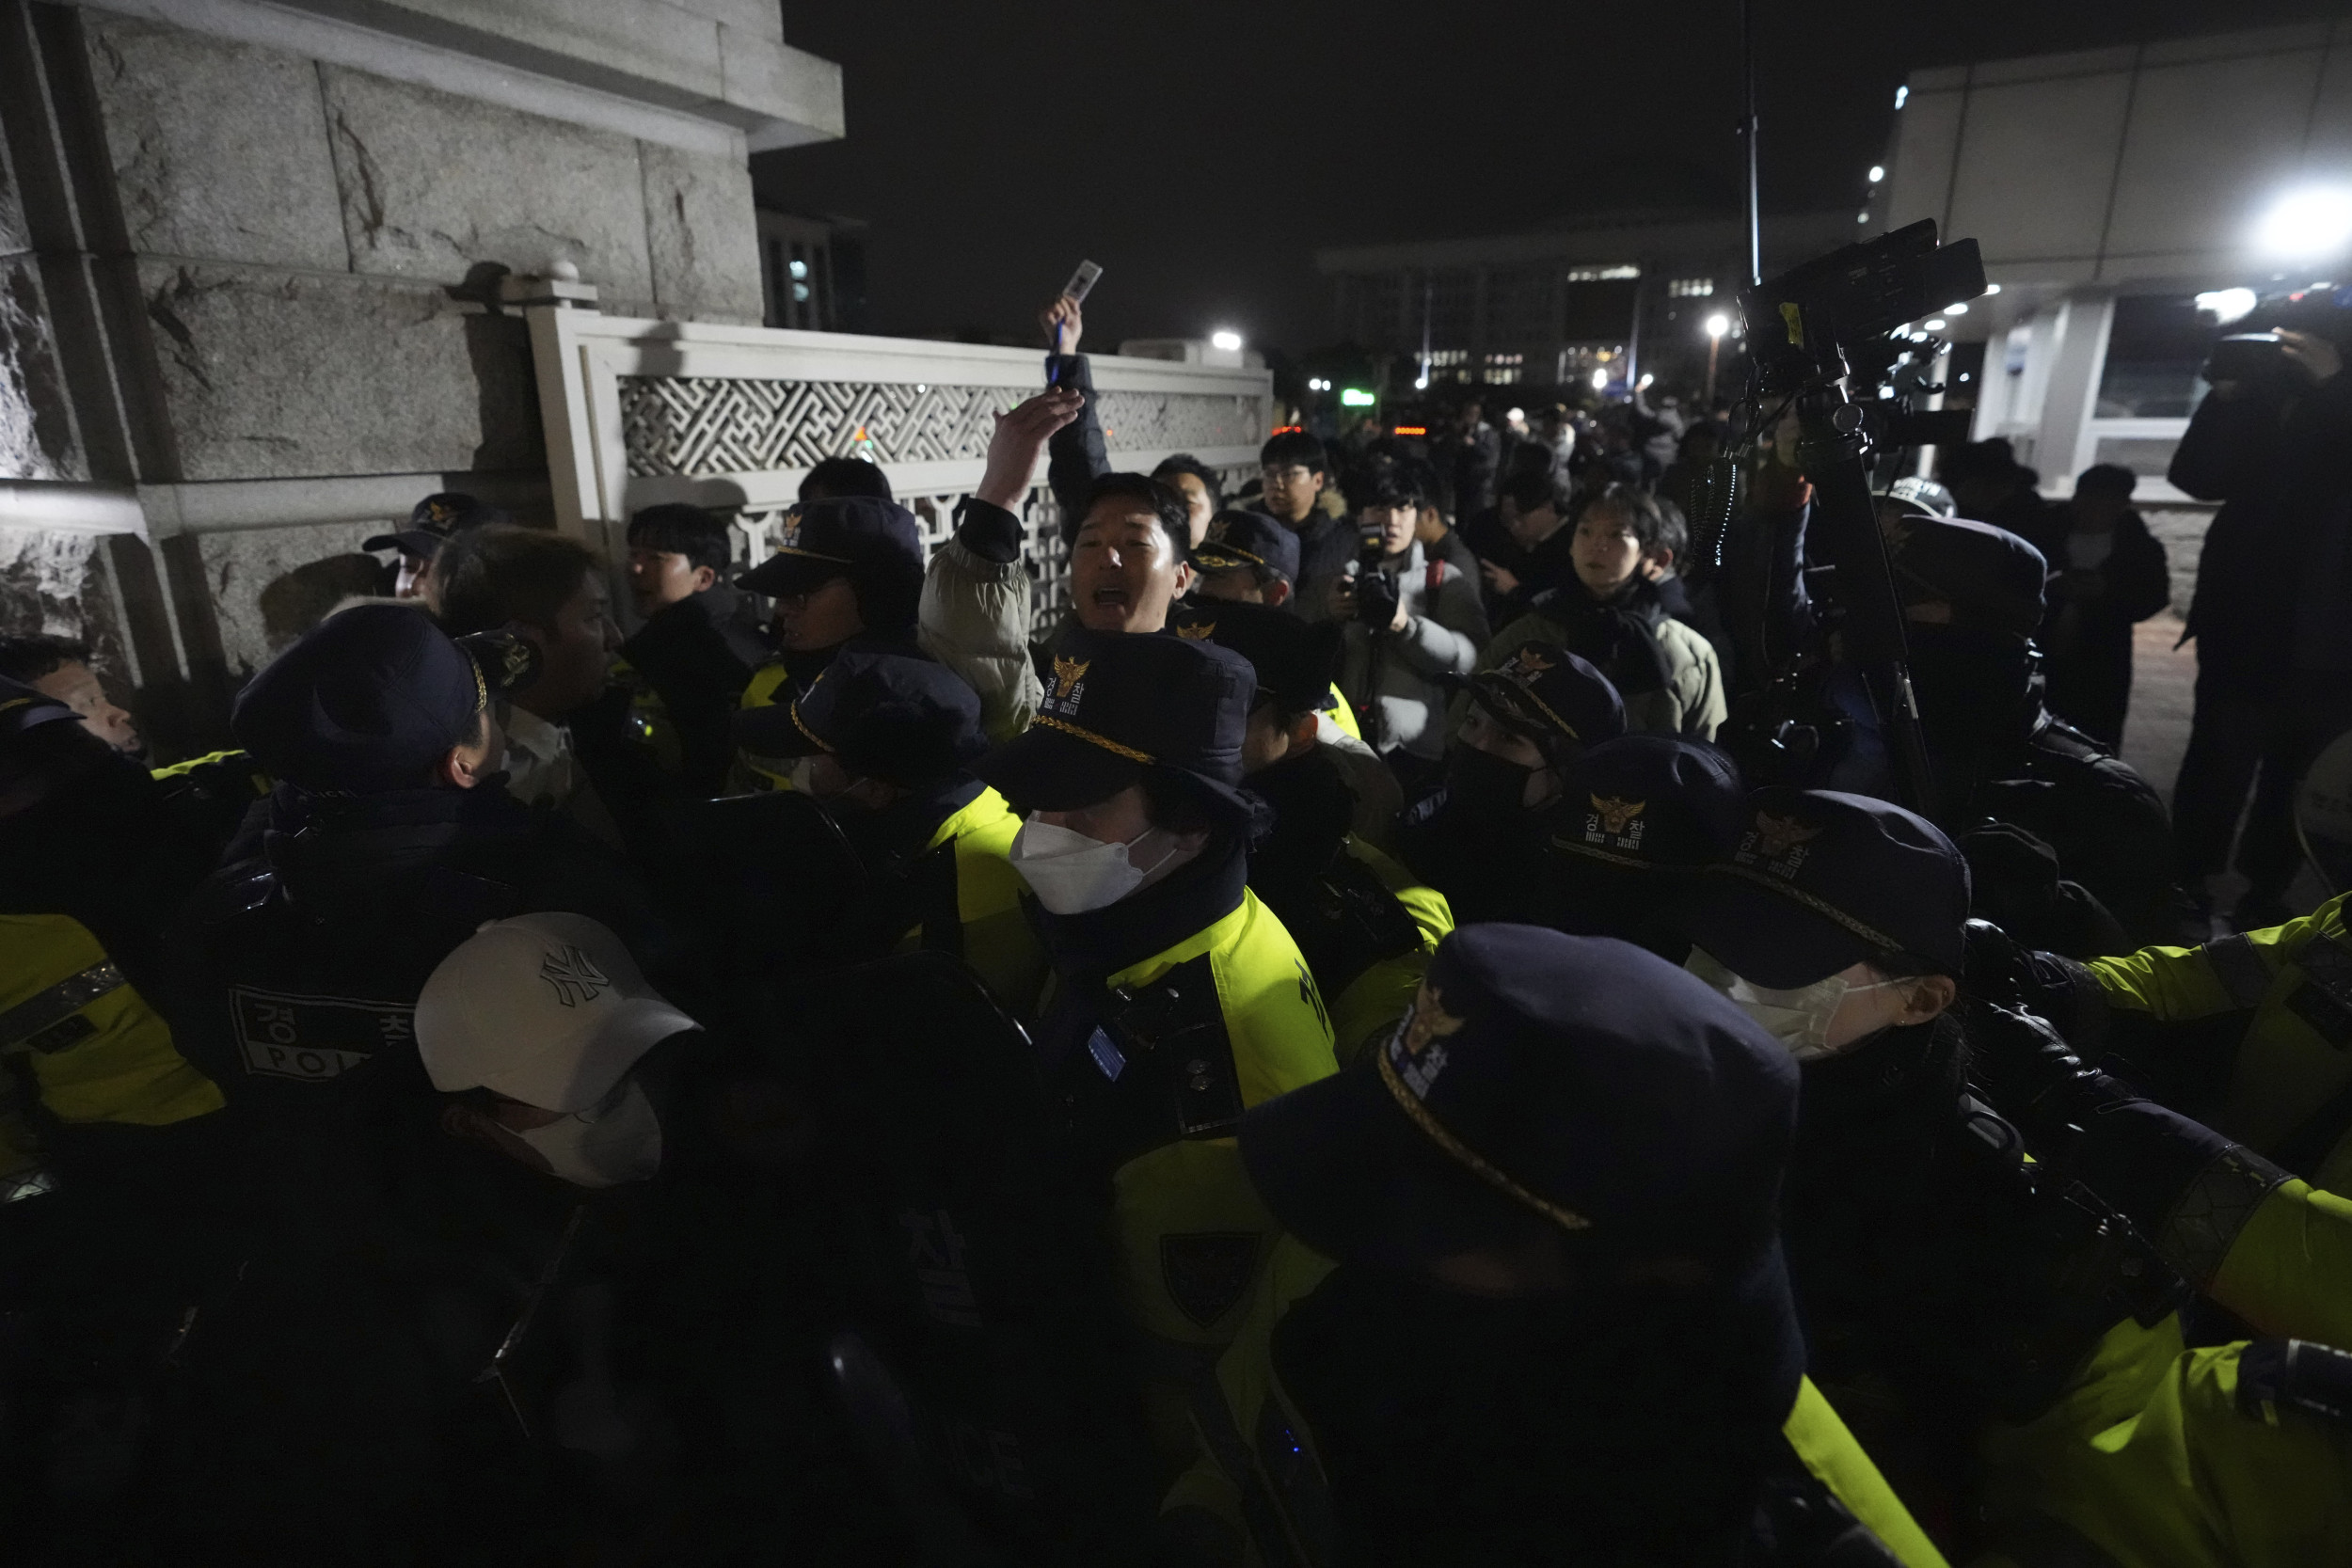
(314,1039)
(1207,1274)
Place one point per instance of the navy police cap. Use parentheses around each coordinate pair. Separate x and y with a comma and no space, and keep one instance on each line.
(875,541)
(1988,576)
(1295,660)
(22,710)
(1548,694)
(1822,881)
(434,520)
(371,698)
(884,714)
(1643,801)
(1574,1081)
(1248,539)
(1117,704)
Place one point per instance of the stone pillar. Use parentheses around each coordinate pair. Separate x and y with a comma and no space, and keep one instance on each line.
(249,281)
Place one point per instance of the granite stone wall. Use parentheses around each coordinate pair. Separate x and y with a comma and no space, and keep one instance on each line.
(223,264)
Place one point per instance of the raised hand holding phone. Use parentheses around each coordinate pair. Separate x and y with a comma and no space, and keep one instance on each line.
(1074,294)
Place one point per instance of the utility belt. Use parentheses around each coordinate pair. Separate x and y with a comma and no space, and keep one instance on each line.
(1156,1068)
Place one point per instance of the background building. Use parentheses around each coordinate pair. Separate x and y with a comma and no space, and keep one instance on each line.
(259,266)
(2108,189)
(1550,307)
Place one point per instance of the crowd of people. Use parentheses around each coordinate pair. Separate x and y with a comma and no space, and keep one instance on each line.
(1401,1025)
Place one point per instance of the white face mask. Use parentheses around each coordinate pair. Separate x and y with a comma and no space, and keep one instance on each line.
(604,1146)
(1071,872)
(1799,1019)
(803,773)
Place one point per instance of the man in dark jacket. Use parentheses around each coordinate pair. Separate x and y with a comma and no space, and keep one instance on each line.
(2272,617)
(330,1412)
(2108,573)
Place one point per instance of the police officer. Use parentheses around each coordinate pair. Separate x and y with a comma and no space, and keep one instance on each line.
(432,523)
(1637,819)
(1526,720)
(1179,999)
(1565,1158)
(885,742)
(113,1153)
(1248,557)
(1367,927)
(388,840)
(850,567)
(2246,1034)
(2264,1427)
(688,663)
(1945,1281)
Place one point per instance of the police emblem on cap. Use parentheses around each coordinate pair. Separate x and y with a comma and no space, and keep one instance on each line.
(1198,632)
(439,514)
(1525,665)
(1070,677)
(1417,1050)
(573,976)
(1615,822)
(1779,842)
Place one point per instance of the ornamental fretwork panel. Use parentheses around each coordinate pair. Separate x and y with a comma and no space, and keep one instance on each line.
(697,426)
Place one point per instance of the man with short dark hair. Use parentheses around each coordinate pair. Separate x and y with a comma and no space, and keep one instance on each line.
(1198,483)
(1477,458)
(833,478)
(550,590)
(688,664)
(60,668)
(1295,472)
(1524,544)
(1410,626)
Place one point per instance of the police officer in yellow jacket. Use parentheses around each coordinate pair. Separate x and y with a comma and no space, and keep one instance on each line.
(2247,1033)
(2263,1429)
(113,1152)
(1179,999)
(886,742)
(1563,1161)
(1365,923)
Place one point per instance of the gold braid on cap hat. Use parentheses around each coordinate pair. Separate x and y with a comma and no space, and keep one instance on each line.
(1086,735)
(1819,906)
(1469,1158)
(799,724)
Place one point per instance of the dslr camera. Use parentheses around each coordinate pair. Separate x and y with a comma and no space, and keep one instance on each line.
(1377,591)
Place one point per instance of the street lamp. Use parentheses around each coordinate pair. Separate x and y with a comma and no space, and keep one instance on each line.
(1226,339)
(1717,325)
(1600,381)
(2307,225)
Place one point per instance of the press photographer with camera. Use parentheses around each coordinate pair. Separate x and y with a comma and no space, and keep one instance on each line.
(2272,616)
(1410,622)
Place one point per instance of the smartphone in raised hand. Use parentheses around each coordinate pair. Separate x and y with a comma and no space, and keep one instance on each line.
(1081,284)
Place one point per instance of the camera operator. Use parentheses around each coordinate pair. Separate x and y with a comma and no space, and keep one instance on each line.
(1410,622)
(2272,616)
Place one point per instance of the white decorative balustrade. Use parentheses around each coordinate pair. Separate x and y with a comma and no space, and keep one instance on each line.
(733,417)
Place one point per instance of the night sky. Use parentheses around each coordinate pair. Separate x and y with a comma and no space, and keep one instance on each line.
(1203,151)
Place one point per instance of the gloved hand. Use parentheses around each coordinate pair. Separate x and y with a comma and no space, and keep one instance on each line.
(2058,988)
(2032,1076)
